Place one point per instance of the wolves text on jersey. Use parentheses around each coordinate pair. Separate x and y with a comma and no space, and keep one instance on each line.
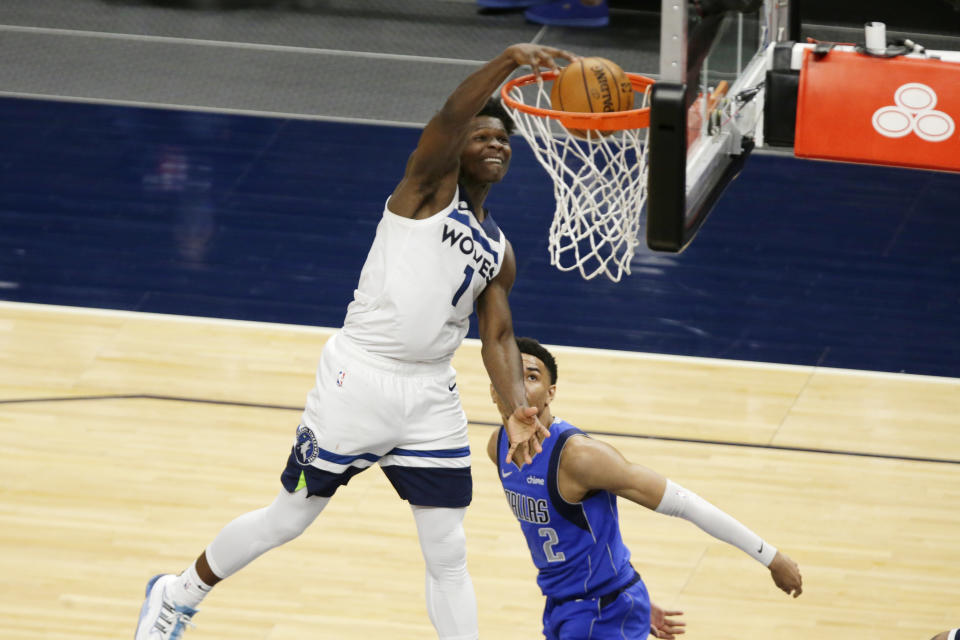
(528,509)
(463,241)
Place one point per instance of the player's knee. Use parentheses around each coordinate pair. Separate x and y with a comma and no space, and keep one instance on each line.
(290,515)
(443,542)
(446,548)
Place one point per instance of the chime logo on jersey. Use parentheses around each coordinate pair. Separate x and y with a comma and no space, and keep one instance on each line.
(528,509)
(306,448)
(913,112)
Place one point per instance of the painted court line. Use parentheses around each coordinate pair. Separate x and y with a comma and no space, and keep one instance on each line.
(640,436)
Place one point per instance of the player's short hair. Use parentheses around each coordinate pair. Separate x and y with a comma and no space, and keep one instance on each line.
(495,109)
(533,348)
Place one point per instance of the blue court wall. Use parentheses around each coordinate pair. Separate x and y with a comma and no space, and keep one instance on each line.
(270,219)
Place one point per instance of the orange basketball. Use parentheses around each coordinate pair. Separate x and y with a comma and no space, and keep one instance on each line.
(591,85)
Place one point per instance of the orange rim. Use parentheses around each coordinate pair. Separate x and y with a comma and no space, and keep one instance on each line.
(607,121)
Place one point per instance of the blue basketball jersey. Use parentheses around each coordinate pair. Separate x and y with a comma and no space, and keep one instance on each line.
(576,546)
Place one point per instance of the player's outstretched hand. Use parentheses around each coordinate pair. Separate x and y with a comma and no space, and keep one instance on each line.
(665,624)
(537,56)
(525,433)
(786,574)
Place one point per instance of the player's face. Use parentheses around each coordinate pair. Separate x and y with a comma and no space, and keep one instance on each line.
(536,382)
(486,156)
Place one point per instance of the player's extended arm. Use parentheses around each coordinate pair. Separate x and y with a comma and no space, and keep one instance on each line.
(435,162)
(591,465)
(501,357)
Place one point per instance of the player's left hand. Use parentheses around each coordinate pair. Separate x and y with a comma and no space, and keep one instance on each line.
(663,625)
(525,433)
(786,574)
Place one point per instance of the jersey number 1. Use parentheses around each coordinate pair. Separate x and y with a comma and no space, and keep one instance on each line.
(467,276)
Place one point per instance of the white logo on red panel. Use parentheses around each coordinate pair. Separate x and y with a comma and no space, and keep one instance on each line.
(914,112)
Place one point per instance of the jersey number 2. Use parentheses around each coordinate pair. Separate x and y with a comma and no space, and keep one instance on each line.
(467,276)
(552,540)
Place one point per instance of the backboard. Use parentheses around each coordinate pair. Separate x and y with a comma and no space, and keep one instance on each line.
(706,107)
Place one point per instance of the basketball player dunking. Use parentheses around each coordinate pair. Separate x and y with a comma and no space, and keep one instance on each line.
(566,503)
(385,390)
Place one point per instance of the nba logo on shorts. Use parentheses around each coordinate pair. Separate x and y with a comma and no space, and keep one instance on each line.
(340,376)
(306,448)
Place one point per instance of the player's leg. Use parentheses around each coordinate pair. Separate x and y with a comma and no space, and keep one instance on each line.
(172,600)
(430,468)
(253,534)
(326,454)
(443,495)
(451,602)
(953,634)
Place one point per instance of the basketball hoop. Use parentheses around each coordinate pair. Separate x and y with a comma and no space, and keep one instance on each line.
(600,183)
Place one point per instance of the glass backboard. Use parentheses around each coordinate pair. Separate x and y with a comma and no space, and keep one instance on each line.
(706,108)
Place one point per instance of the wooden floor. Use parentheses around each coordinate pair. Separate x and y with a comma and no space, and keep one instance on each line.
(128,440)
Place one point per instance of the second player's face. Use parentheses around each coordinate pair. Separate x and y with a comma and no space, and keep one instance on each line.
(536,382)
(486,155)
(536,379)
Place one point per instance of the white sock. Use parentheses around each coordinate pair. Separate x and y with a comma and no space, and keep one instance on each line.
(188,589)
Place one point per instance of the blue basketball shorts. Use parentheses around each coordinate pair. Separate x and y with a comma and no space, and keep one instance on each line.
(367,410)
(625,615)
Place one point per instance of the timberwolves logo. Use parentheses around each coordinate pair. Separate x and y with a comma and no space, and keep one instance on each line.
(306,448)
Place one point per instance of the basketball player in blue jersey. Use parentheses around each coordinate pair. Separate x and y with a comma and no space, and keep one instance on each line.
(385,390)
(566,503)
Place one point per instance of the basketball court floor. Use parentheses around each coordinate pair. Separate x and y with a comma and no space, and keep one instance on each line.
(186,198)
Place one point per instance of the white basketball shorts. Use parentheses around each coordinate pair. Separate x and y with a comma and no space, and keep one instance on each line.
(365,409)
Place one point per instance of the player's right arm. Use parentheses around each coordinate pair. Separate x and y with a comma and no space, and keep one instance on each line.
(504,365)
(431,174)
(590,465)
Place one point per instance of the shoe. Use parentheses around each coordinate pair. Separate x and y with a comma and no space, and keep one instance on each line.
(160,619)
(569,13)
(508,4)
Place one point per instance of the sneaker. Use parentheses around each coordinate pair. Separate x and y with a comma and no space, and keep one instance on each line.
(160,619)
(569,13)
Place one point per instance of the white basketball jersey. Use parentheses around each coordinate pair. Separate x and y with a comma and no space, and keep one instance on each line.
(420,281)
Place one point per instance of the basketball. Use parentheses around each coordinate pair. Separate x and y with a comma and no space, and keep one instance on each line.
(591,85)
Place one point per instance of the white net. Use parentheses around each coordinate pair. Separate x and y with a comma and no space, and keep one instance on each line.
(600,187)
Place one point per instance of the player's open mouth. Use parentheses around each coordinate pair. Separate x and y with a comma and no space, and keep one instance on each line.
(494,160)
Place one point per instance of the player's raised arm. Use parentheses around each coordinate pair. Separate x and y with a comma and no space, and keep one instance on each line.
(588,464)
(434,163)
(501,357)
